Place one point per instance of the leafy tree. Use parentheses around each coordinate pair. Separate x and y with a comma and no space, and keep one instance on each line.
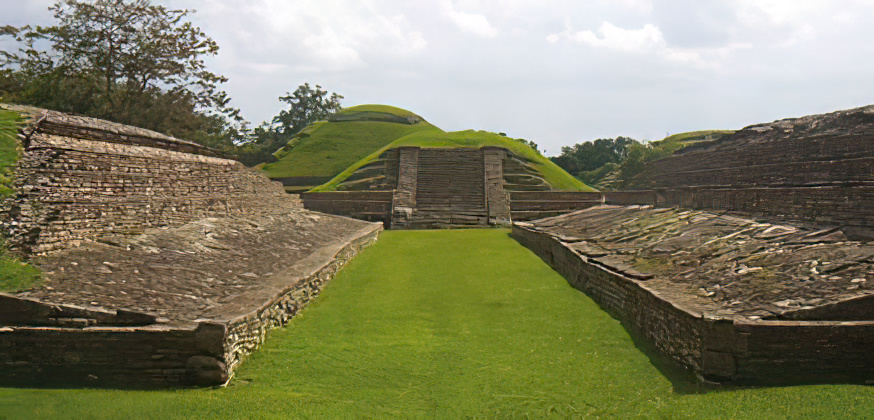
(589,156)
(123,60)
(305,106)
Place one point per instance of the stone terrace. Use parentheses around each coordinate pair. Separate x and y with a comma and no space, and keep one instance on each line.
(192,271)
(724,265)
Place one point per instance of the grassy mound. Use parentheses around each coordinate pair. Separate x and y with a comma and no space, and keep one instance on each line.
(551,173)
(447,324)
(350,139)
(326,148)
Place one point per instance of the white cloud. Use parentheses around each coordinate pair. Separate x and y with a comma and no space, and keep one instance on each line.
(612,37)
(619,67)
(470,22)
(327,35)
(646,40)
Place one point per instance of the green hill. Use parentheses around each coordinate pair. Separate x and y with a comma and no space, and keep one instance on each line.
(325,148)
(556,177)
(328,152)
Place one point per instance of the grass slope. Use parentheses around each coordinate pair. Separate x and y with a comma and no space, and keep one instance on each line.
(555,176)
(447,324)
(9,123)
(324,149)
(674,142)
(14,274)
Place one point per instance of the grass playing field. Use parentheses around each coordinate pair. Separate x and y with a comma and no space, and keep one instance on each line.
(447,324)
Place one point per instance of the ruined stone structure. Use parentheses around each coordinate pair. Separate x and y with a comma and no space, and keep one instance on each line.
(730,299)
(817,169)
(81,178)
(164,263)
(416,188)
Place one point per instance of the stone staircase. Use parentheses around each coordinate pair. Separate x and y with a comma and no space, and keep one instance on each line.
(450,190)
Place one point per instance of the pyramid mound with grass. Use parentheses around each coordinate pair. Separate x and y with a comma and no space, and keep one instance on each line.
(348,152)
(326,148)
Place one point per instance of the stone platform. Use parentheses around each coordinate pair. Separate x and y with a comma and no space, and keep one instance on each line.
(731,299)
(174,306)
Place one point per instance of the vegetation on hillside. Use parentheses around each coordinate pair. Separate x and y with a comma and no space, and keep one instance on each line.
(448,324)
(141,64)
(15,274)
(128,61)
(610,164)
(304,106)
(9,149)
(326,148)
(436,138)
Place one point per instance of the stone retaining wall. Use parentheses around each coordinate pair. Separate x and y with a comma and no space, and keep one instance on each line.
(373,206)
(149,356)
(714,348)
(530,205)
(850,207)
(245,332)
(811,150)
(80,178)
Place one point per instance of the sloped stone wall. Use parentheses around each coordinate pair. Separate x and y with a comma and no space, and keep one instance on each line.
(824,149)
(81,178)
(817,168)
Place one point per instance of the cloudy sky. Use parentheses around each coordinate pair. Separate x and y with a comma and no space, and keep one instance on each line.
(554,71)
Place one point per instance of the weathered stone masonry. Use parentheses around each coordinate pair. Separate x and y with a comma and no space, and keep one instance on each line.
(414,188)
(811,345)
(816,169)
(81,178)
(58,345)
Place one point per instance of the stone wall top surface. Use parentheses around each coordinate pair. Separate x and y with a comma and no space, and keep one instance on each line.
(185,273)
(721,264)
(37,117)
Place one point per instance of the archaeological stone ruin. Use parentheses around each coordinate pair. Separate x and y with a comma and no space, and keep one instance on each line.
(741,260)
(745,260)
(165,263)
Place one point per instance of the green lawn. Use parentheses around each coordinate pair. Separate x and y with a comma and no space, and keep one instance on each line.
(447,324)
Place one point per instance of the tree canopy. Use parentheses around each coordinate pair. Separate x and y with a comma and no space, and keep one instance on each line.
(304,106)
(123,60)
(588,156)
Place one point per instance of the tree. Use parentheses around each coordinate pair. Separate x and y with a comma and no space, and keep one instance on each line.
(305,106)
(589,156)
(119,60)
